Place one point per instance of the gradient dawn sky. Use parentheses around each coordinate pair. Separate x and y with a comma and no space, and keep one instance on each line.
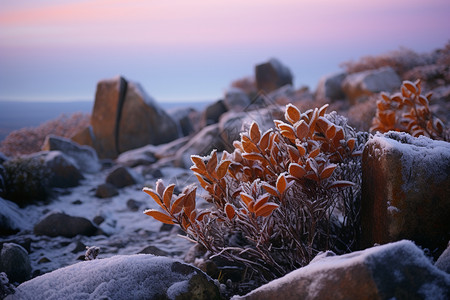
(191,50)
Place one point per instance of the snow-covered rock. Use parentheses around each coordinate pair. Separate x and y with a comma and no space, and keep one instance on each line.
(212,113)
(63,169)
(236,100)
(84,156)
(366,83)
(394,271)
(330,87)
(60,224)
(14,261)
(443,261)
(140,156)
(121,277)
(406,188)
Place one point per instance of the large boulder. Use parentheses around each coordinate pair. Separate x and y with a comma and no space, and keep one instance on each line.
(84,156)
(59,224)
(272,75)
(366,83)
(395,271)
(140,276)
(124,118)
(14,261)
(405,191)
(330,87)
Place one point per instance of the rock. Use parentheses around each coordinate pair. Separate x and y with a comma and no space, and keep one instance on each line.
(330,87)
(140,156)
(63,170)
(12,219)
(187,120)
(124,118)
(121,177)
(85,137)
(367,83)
(77,247)
(121,277)
(394,271)
(84,156)
(6,288)
(14,261)
(236,100)
(153,251)
(284,94)
(443,261)
(405,190)
(133,205)
(212,113)
(170,149)
(106,190)
(202,143)
(272,75)
(59,224)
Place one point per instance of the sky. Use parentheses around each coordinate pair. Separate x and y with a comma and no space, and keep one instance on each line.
(178,50)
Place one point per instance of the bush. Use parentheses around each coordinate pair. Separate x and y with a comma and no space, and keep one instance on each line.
(279,198)
(25,180)
(408,111)
(30,140)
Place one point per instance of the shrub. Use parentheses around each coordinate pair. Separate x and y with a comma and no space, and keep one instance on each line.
(278,199)
(25,180)
(408,111)
(30,140)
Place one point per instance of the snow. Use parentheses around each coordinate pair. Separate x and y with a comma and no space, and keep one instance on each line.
(11,214)
(137,276)
(421,151)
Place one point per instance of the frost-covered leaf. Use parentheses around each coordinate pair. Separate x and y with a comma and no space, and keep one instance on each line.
(157,215)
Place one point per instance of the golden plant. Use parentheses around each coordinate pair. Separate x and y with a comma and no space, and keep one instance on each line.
(278,199)
(408,111)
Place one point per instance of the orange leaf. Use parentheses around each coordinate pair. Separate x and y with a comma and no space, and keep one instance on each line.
(167,195)
(247,198)
(162,217)
(323,110)
(423,100)
(223,168)
(248,145)
(270,189)
(177,205)
(198,161)
(302,129)
(351,144)
(154,195)
(261,201)
(212,163)
(253,156)
(293,153)
(266,209)
(297,170)
(301,149)
(160,187)
(229,210)
(281,183)
(327,171)
(410,86)
(201,215)
(202,182)
(254,132)
(331,132)
(264,142)
(292,113)
(314,153)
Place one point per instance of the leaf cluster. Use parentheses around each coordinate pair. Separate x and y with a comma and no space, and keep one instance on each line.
(408,111)
(278,199)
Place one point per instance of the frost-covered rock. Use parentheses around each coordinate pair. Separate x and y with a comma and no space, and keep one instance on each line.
(106,190)
(212,113)
(124,118)
(187,119)
(12,219)
(443,261)
(140,156)
(60,224)
(121,177)
(272,75)
(406,188)
(121,277)
(394,271)
(330,87)
(84,156)
(366,83)
(14,261)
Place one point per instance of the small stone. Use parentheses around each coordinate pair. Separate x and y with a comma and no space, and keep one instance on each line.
(43,260)
(106,190)
(77,202)
(133,205)
(154,251)
(98,220)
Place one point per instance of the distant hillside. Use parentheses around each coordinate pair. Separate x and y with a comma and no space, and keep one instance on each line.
(18,114)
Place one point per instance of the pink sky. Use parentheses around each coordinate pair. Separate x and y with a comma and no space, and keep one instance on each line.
(182,49)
